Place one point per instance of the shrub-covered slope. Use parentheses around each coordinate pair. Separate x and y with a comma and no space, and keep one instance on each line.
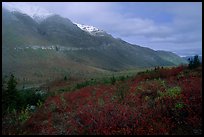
(157,102)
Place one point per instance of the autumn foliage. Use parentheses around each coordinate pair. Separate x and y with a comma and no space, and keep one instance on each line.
(158,102)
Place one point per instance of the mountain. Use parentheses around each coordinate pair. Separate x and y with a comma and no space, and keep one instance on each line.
(55,46)
(171,57)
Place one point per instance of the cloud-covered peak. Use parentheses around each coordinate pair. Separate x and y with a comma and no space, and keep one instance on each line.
(35,12)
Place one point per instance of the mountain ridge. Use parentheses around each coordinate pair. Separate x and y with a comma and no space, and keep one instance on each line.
(57,38)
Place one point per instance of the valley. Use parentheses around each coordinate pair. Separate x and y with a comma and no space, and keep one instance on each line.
(42,51)
(60,77)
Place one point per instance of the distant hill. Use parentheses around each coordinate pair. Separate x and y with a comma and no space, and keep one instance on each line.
(43,48)
(187,57)
(171,57)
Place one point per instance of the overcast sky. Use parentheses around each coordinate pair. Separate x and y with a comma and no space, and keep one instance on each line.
(172,26)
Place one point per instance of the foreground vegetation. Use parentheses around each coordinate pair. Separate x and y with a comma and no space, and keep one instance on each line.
(156,102)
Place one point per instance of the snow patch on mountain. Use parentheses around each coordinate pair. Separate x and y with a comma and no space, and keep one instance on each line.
(87,28)
(90,29)
(35,12)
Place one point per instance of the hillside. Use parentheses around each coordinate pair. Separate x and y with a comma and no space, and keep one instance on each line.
(171,57)
(56,44)
(155,102)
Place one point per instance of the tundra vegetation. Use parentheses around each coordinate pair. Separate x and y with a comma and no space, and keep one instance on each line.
(160,101)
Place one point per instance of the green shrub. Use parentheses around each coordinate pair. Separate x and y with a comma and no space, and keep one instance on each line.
(65,78)
(81,85)
(121,78)
(179,105)
(101,101)
(105,81)
(19,99)
(31,97)
(122,90)
(39,103)
(173,92)
(53,107)
(86,83)
(113,80)
(24,114)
